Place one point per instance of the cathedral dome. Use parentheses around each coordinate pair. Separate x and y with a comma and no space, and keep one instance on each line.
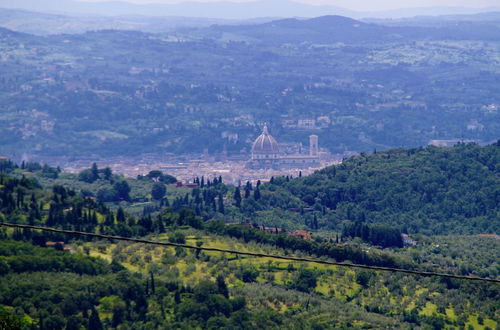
(265,144)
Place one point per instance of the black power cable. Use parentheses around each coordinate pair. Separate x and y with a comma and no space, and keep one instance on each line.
(252,254)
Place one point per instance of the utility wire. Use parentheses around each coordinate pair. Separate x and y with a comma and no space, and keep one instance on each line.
(252,254)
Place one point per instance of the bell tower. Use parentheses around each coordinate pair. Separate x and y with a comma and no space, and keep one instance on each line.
(313,145)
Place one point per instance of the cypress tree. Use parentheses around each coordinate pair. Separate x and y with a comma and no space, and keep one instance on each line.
(161,225)
(120,215)
(108,174)
(95,172)
(248,188)
(40,322)
(153,290)
(256,194)
(118,316)
(222,287)
(237,197)
(94,321)
(221,204)
(94,218)
(198,251)
(109,219)
(214,205)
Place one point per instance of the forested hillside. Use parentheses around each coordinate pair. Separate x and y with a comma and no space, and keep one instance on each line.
(424,190)
(364,86)
(69,282)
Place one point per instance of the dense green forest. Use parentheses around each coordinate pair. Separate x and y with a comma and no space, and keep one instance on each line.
(127,92)
(423,190)
(57,281)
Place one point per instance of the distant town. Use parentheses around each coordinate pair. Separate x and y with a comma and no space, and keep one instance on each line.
(280,159)
(232,169)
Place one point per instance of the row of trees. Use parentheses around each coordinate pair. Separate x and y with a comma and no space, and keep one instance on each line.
(94,173)
(339,253)
(248,191)
(380,235)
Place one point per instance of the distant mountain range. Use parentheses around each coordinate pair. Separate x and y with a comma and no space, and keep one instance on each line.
(223,10)
(40,23)
(43,23)
(438,21)
(333,28)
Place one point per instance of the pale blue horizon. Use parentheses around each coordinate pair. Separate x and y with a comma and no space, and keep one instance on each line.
(360,5)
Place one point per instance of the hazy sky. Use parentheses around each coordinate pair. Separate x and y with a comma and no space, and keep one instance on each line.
(362,5)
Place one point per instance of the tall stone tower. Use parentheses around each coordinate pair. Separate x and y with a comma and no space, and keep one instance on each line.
(313,145)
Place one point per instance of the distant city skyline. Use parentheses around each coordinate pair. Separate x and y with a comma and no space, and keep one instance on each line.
(359,5)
